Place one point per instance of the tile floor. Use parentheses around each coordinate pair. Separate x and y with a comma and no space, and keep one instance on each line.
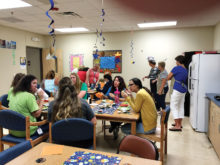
(184,148)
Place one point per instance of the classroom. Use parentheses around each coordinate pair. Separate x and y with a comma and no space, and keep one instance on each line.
(32,43)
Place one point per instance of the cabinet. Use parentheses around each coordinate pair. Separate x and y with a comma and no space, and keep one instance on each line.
(214,126)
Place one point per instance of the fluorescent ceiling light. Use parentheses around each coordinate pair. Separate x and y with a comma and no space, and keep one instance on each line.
(157,24)
(9,4)
(65,30)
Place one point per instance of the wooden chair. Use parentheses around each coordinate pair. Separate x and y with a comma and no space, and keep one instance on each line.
(138,146)
(161,133)
(13,152)
(73,131)
(15,121)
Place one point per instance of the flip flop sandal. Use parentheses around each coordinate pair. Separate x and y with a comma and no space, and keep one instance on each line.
(175,129)
(175,125)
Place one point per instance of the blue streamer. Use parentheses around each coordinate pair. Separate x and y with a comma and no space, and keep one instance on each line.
(52,32)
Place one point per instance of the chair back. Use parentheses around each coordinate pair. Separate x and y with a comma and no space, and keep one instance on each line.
(13,152)
(4,100)
(12,120)
(139,146)
(72,130)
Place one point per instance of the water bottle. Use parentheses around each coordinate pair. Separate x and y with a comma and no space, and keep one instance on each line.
(117,96)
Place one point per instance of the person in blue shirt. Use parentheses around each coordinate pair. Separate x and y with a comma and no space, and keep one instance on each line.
(180,75)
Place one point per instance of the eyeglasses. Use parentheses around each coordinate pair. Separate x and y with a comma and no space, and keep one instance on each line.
(130,85)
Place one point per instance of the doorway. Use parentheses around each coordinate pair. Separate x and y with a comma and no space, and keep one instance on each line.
(34,62)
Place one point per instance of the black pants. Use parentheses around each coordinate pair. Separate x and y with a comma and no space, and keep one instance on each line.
(153,87)
(160,99)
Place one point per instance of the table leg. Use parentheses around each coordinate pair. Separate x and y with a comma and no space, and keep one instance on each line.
(133,127)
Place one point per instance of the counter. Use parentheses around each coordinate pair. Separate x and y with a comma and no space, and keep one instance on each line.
(214,122)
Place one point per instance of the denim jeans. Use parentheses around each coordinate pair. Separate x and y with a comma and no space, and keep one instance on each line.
(126,129)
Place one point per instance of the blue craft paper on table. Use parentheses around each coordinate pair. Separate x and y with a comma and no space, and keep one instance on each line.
(107,62)
(106,110)
(89,158)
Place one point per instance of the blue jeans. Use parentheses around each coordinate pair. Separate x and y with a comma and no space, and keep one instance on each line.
(126,129)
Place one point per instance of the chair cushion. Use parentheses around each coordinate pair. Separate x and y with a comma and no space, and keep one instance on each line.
(14,139)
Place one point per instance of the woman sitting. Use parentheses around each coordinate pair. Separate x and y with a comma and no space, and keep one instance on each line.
(69,105)
(23,101)
(15,81)
(81,87)
(117,87)
(107,85)
(50,83)
(144,104)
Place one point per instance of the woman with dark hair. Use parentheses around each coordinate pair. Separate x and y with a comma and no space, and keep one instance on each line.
(117,85)
(180,75)
(69,105)
(15,81)
(143,103)
(23,101)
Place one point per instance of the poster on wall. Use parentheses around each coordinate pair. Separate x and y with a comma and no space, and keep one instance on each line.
(23,62)
(13,45)
(76,60)
(108,60)
(8,44)
(2,43)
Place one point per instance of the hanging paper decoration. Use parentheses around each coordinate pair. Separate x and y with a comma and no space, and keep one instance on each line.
(102,42)
(131,52)
(99,34)
(51,25)
(13,56)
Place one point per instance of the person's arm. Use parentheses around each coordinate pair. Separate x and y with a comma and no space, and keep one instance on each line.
(136,103)
(83,90)
(112,95)
(87,77)
(162,86)
(93,120)
(81,94)
(170,76)
(56,81)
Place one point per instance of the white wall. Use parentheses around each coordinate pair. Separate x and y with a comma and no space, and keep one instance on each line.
(217,37)
(23,39)
(162,44)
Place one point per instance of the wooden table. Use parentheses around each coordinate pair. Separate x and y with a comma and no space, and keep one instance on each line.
(30,157)
(121,117)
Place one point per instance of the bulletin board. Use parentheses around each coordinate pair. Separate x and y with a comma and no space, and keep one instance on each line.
(108,60)
(76,60)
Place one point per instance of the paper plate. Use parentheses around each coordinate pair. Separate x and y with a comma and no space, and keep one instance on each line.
(124,109)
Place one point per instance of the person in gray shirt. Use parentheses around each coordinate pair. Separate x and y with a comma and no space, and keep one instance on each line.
(162,86)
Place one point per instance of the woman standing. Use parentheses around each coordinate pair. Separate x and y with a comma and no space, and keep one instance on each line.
(162,86)
(143,103)
(23,101)
(180,75)
(50,83)
(81,87)
(152,76)
(92,76)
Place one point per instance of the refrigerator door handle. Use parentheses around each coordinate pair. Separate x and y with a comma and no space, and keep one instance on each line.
(189,78)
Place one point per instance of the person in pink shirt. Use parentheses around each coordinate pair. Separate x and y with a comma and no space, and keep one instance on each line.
(92,76)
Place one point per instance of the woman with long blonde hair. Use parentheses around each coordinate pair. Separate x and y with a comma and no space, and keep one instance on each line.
(81,87)
(69,105)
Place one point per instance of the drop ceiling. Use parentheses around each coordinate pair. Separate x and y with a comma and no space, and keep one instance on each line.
(121,15)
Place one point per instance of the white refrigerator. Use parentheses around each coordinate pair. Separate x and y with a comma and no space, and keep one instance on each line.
(204,77)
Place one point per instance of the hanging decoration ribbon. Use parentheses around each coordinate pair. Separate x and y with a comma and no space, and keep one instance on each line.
(51,25)
(131,52)
(99,34)
(102,42)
